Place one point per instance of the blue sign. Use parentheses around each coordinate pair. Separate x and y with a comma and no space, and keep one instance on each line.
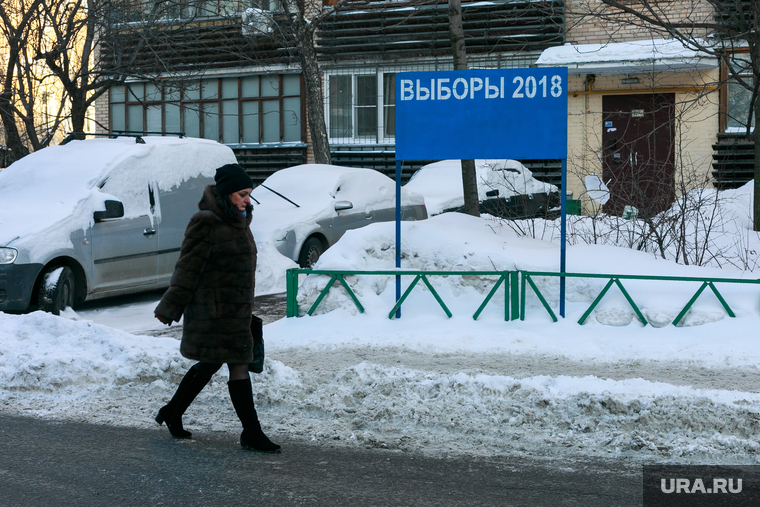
(500,113)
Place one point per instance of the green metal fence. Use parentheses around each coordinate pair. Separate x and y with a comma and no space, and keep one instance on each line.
(508,278)
(527,279)
(514,281)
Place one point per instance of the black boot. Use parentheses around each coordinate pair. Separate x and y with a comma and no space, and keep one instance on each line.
(252,438)
(192,384)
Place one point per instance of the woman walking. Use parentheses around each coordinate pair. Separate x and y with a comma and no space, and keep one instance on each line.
(212,285)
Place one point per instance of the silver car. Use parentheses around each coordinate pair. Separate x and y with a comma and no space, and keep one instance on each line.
(98,218)
(303,210)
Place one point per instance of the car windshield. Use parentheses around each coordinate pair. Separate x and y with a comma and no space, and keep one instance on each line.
(275,192)
(315,186)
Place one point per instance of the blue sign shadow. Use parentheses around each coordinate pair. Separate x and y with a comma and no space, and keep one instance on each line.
(496,113)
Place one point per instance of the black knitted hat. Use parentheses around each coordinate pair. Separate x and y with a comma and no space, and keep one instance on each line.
(231,178)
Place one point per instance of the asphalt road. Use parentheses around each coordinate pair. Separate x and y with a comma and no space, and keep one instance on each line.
(72,464)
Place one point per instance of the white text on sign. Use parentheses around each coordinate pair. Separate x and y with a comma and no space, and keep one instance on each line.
(475,87)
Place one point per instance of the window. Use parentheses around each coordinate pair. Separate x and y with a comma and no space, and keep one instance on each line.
(150,10)
(389,104)
(738,98)
(361,107)
(232,110)
(366,106)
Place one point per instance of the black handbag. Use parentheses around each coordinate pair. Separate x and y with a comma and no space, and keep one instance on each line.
(257,331)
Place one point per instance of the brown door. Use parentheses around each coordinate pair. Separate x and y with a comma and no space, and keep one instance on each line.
(638,157)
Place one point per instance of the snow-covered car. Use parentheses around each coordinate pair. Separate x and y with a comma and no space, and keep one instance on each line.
(506,188)
(303,210)
(98,218)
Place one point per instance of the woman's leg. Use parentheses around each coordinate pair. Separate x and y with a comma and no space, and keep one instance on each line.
(241,394)
(238,371)
(191,385)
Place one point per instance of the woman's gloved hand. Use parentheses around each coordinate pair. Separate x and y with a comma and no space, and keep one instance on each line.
(164,320)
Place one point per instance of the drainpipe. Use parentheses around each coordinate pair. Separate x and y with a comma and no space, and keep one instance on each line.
(588,87)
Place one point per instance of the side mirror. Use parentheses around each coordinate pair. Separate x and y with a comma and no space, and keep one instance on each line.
(493,193)
(114,209)
(341,205)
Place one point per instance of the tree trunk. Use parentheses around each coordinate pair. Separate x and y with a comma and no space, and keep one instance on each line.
(12,136)
(456,32)
(78,110)
(315,108)
(459,50)
(756,137)
(755,55)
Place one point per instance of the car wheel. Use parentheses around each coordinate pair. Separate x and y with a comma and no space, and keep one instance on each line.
(310,253)
(56,293)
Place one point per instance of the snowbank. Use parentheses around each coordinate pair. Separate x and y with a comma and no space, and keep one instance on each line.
(706,227)
(54,367)
(42,352)
(454,241)
(271,267)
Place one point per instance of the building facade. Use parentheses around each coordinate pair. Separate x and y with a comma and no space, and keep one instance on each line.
(210,79)
(646,114)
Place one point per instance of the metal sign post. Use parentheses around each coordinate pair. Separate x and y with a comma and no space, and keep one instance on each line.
(496,113)
(563,238)
(398,233)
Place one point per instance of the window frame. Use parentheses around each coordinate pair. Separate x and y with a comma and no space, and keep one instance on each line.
(187,101)
(379,137)
(188,9)
(728,81)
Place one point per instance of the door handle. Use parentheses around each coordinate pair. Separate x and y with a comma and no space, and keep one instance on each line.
(149,231)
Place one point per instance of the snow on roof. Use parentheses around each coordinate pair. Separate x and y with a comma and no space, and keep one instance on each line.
(655,55)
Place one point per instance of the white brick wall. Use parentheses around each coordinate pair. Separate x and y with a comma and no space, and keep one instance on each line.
(101,114)
(590,22)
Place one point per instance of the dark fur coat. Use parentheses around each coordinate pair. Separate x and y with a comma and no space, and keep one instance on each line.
(213,284)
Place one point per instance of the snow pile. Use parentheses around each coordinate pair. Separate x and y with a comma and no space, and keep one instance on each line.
(454,241)
(42,352)
(54,367)
(704,227)
(256,22)
(49,365)
(271,268)
(441,182)
(407,409)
